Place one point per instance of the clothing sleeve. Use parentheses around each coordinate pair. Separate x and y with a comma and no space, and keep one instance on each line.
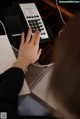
(9,90)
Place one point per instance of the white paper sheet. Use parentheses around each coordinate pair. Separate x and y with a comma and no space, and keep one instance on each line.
(7,58)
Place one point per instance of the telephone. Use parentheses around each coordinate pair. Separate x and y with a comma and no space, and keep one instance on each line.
(34,19)
(19,18)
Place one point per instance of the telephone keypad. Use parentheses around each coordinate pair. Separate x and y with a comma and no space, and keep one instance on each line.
(35,24)
(34,19)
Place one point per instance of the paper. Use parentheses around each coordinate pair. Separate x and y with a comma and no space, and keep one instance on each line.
(7,58)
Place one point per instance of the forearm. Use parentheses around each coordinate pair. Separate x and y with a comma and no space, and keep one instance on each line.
(10,88)
(12,79)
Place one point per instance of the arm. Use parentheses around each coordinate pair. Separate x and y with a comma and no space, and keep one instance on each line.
(10,87)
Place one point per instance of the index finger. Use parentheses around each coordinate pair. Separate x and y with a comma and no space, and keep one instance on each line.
(28,38)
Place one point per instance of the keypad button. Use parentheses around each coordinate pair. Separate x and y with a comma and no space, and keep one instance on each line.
(32,16)
(35,27)
(33,24)
(29,21)
(36,23)
(44,33)
(38,19)
(42,28)
(30,24)
(37,16)
(33,30)
(39,23)
(39,29)
(33,21)
(32,27)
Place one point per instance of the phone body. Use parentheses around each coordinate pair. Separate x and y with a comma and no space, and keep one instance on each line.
(19,18)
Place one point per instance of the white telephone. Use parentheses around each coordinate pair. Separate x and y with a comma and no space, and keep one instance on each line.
(34,19)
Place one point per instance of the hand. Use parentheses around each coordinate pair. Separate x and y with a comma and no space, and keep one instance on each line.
(29,49)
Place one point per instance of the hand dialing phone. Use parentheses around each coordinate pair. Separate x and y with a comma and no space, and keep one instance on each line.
(34,19)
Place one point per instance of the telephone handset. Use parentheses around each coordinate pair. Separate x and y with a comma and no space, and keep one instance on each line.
(34,19)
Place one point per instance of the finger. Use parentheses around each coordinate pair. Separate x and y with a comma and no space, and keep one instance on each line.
(39,53)
(29,35)
(22,38)
(34,37)
(37,39)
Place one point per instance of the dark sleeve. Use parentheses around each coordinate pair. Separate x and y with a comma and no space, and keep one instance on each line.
(9,90)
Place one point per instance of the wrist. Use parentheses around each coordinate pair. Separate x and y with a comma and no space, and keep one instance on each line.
(23,59)
(20,63)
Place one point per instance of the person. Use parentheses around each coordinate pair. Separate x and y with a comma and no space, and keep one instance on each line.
(11,81)
(65,79)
